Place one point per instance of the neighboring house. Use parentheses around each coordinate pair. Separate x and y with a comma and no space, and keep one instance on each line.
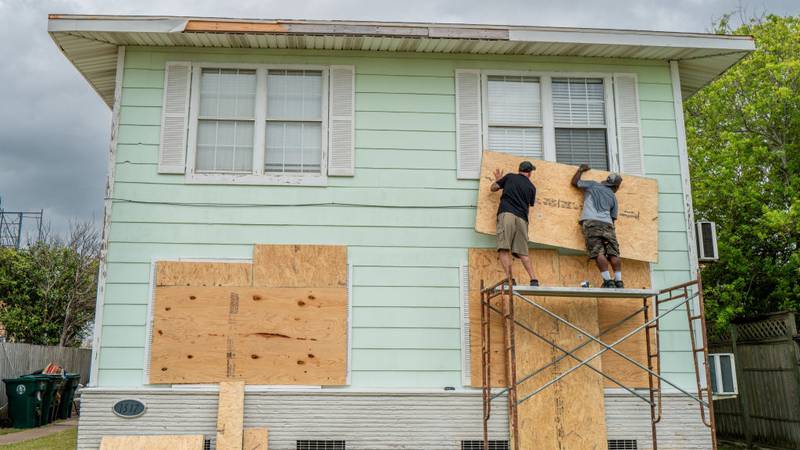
(373,132)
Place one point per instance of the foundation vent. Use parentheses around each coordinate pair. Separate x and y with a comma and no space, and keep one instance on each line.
(478,445)
(207,444)
(320,445)
(622,444)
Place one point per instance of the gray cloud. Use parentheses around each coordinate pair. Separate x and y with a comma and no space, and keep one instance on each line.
(54,129)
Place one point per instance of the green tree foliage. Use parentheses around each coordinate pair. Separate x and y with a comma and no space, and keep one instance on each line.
(744,146)
(47,291)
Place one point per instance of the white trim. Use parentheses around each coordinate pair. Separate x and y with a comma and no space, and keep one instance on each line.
(148,332)
(683,153)
(546,98)
(257,176)
(466,351)
(107,204)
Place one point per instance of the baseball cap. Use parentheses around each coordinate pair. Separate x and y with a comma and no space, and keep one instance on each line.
(614,179)
(526,166)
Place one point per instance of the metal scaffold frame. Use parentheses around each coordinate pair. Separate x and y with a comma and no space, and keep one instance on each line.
(676,296)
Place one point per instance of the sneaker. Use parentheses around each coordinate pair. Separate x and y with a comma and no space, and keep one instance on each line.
(534,283)
(609,284)
(619,284)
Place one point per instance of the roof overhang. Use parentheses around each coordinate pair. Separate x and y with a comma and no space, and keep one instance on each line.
(90,42)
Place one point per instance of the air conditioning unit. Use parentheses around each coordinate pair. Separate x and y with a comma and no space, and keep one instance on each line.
(722,369)
(706,233)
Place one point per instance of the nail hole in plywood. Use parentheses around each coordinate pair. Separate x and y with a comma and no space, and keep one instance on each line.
(300,362)
(163,369)
(160,332)
(256,297)
(254,356)
(310,355)
(167,309)
(192,297)
(311,297)
(189,356)
(301,303)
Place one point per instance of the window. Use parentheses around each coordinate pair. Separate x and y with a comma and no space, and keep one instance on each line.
(580,121)
(563,119)
(258,123)
(723,373)
(515,115)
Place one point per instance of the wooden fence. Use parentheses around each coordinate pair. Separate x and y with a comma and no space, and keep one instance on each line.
(767,408)
(22,359)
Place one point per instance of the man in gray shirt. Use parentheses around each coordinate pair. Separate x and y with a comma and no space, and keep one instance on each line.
(600,210)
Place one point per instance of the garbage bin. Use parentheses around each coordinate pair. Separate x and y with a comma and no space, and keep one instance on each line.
(25,397)
(50,396)
(68,395)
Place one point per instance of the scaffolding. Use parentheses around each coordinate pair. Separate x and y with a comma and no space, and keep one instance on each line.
(670,300)
(12,224)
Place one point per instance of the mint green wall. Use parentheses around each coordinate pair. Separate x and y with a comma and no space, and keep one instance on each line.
(406,317)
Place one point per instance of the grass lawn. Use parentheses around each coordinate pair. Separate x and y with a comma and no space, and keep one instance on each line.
(65,440)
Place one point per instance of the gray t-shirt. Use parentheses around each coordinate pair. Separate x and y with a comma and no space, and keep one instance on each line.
(599,202)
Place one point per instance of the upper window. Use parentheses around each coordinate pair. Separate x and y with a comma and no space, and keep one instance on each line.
(573,118)
(260,121)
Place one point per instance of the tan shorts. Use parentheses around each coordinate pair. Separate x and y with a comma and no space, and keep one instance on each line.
(512,234)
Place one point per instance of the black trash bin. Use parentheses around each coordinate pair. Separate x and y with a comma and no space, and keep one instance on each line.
(25,396)
(68,395)
(50,395)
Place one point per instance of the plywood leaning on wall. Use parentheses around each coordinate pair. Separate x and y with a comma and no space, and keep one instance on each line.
(230,415)
(281,320)
(554,219)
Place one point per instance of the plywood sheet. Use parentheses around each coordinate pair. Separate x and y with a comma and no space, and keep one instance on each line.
(300,266)
(187,273)
(261,335)
(255,439)
(554,219)
(230,415)
(182,442)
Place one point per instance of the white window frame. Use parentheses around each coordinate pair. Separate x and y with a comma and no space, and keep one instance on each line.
(258,175)
(714,357)
(548,124)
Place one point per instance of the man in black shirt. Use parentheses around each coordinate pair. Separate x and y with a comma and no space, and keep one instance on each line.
(512,216)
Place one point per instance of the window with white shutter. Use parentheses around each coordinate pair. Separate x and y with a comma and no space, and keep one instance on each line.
(626,101)
(514,113)
(175,114)
(579,118)
(469,146)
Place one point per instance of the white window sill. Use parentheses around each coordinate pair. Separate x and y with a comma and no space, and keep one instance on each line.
(250,179)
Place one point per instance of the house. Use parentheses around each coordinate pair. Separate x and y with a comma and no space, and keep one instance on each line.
(233,139)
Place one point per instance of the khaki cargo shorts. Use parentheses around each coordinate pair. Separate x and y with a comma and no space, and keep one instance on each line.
(601,238)
(512,234)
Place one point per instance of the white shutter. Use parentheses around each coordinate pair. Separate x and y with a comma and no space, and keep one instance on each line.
(468,123)
(629,135)
(341,130)
(174,118)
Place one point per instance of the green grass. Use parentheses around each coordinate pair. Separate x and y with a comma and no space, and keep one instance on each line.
(64,440)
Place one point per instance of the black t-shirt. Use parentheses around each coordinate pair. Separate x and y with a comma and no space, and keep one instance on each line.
(518,194)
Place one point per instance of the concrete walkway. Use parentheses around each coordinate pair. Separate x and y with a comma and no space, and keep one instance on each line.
(33,433)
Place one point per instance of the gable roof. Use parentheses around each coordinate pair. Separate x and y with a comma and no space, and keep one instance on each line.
(90,42)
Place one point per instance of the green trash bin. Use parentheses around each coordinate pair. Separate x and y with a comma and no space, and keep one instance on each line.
(68,395)
(49,395)
(25,397)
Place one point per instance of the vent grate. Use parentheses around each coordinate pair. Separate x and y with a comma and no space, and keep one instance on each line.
(622,444)
(478,445)
(207,444)
(320,445)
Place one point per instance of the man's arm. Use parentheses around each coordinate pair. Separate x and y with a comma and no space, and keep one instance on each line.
(614,210)
(578,173)
(497,185)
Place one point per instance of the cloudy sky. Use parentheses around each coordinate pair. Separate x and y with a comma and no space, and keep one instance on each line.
(54,129)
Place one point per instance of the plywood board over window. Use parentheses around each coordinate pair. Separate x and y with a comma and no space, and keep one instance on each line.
(554,218)
(281,320)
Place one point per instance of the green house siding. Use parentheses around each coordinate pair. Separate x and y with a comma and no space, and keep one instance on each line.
(405,243)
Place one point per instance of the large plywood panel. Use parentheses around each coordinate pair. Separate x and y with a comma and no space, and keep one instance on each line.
(255,439)
(186,273)
(183,442)
(230,415)
(300,266)
(554,219)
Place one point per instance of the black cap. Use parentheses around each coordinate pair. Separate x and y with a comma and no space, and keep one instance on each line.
(526,166)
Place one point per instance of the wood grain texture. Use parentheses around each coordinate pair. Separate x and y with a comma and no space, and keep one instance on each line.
(255,439)
(300,266)
(187,273)
(554,219)
(230,415)
(180,442)
(261,335)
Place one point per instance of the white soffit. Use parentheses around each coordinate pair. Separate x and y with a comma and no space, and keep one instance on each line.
(90,42)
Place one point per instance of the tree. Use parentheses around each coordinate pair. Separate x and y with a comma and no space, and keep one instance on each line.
(48,290)
(743,132)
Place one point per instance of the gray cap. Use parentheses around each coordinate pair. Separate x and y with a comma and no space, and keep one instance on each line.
(526,166)
(614,179)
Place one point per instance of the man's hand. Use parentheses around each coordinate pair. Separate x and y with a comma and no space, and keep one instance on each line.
(498,173)
(584,168)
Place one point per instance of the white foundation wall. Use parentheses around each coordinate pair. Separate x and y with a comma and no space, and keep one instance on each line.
(367,421)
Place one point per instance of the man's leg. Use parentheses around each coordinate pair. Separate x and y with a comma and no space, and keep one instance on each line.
(505,261)
(526,263)
(602,262)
